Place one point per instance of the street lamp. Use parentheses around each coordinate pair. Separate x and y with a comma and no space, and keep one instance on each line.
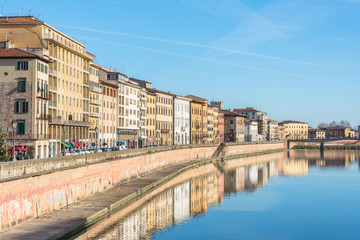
(64,130)
(14,125)
(96,131)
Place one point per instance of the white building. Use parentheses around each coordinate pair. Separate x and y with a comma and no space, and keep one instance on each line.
(272,130)
(129,111)
(181,120)
(255,114)
(251,131)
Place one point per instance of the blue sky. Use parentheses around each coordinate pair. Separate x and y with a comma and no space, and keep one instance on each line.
(295,59)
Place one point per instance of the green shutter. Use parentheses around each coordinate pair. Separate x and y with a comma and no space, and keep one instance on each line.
(26,66)
(38,66)
(16,107)
(26,107)
(46,69)
(18,65)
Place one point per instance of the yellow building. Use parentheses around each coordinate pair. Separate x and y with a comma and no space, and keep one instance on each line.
(68,79)
(281,131)
(151,120)
(196,122)
(202,132)
(210,125)
(213,124)
(95,90)
(295,129)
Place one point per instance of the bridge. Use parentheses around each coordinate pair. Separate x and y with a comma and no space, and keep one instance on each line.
(290,143)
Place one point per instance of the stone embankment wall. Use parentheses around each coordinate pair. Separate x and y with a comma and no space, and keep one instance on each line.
(32,188)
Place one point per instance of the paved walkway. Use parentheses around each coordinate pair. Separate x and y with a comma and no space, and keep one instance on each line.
(56,224)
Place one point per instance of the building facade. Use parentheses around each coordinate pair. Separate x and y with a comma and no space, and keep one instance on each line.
(151,117)
(24,95)
(273,128)
(221,126)
(201,108)
(181,131)
(255,114)
(95,91)
(108,111)
(234,127)
(68,77)
(164,118)
(295,129)
(314,133)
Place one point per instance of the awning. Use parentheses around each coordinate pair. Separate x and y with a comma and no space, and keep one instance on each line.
(120,143)
(69,145)
(73,144)
(77,144)
(18,148)
(80,144)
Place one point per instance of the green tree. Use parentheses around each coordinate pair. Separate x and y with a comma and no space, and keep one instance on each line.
(4,153)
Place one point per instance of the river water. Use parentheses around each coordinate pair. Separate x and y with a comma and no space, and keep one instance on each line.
(293,195)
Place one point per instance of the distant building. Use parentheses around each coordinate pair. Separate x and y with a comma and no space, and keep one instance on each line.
(234,126)
(314,133)
(251,131)
(338,132)
(218,104)
(281,131)
(255,114)
(273,129)
(221,127)
(295,129)
(181,131)
(198,119)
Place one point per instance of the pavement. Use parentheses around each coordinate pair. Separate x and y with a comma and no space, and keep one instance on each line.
(87,211)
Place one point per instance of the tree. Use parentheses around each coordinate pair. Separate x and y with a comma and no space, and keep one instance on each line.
(4,153)
(323,125)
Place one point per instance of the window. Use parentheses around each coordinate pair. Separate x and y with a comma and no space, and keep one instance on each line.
(20,129)
(22,85)
(22,65)
(21,106)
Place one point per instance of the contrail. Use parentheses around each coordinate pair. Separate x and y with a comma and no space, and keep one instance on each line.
(190,44)
(209,60)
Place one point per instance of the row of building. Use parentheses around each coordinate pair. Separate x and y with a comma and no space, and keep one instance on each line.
(60,98)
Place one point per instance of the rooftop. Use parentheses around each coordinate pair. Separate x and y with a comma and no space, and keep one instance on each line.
(19,19)
(292,121)
(230,113)
(17,53)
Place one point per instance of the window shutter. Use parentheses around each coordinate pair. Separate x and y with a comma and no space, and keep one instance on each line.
(26,65)
(16,107)
(18,65)
(26,107)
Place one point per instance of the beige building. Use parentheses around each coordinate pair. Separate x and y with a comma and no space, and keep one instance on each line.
(109,115)
(273,129)
(95,92)
(295,129)
(314,133)
(24,95)
(68,79)
(213,124)
(164,118)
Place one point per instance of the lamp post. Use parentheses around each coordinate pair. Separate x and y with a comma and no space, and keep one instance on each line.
(96,131)
(64,130)
(14,125)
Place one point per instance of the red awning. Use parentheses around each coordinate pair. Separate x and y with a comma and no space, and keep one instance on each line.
(77,144)
(80,144)
(18,148)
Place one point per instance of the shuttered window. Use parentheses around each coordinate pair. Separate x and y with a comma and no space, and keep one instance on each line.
(20,129)
(21,106)
(22,65)
(22,85)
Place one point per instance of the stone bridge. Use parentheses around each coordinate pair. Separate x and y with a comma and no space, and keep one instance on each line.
(290,143)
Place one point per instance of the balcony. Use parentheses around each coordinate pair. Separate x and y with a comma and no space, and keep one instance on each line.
(143,117)
(52,104)
(59,121)
(95,114)
(52,88)
(43,116)
(94,101)
(143,99)
(52,72)
(95,89)
(143,108)
(143,127)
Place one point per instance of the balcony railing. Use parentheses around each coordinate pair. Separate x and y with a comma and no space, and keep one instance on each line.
(52,88)
(52,104)
(143,108)
(53,72)
(143,117)
(95,114)
(68,122)
(143,99)
(95,101)
(95,89)
(143,127)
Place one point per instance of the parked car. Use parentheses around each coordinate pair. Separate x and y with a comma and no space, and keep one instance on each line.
(92,150)
(98,150)
(87,151)
(67,153)
(125,147)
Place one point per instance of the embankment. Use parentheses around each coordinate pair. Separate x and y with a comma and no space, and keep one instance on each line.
(29,189)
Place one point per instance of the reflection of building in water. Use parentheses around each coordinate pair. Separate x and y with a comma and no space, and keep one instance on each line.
(221,185)
(212,189)
(134,226)
(181,202)
(293,167)
(197,197)
(273,169)
(230,182)
(240,179)
(164,209)
(256,176)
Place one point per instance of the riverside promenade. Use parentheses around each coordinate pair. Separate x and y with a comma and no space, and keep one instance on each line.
(80,212)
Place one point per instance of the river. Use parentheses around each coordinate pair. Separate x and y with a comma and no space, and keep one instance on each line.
(292,195)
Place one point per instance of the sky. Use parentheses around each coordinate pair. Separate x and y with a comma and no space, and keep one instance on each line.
(294,60)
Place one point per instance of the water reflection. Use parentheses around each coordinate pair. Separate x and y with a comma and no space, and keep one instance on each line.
(201,188)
